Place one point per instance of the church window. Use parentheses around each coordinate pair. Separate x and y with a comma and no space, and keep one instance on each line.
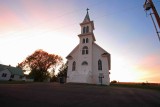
(99,64)
(84,63)
(87,29)
(84,29)
(85,50)
(83,40)
(87,40)
(74,66)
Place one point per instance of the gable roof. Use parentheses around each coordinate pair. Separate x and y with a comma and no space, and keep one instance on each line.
(69,55)
(2,67)
(105,54)
(100,48)
(13,70)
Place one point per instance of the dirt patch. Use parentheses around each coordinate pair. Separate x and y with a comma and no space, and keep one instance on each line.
(77,95)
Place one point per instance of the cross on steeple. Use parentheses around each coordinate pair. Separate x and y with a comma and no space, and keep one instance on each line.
(87,10)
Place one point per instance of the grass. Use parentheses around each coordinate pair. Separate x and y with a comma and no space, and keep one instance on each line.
(13,82)
(154,86)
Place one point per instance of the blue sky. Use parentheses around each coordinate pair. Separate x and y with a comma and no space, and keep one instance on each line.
(122,28)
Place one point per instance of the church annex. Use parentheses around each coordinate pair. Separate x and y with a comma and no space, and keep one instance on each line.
(88,62)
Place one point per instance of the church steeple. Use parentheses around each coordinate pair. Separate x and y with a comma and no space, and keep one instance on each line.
(87,27)
(86,19)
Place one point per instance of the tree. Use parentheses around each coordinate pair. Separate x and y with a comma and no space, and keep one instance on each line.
(63,70)
(39,63)
(62,75)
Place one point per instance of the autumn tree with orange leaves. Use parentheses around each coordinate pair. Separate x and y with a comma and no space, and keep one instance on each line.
(39,63)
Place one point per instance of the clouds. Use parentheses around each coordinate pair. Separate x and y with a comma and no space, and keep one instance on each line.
(149,66)
(9,21)
(22,15)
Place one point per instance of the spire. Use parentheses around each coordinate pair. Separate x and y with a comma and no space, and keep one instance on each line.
(86,19)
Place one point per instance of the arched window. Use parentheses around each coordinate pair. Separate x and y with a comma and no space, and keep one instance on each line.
(74,66)
(85,50)
(87,40)
(84,29)
(83,41)
(99,64)
(87,29)
(84,63)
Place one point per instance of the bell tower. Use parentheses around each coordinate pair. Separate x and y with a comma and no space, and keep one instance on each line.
(87,27)
(85,54)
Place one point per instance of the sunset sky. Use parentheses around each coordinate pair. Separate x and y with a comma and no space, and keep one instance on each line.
(122,28)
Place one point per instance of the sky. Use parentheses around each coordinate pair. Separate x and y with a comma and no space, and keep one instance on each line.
(122,28)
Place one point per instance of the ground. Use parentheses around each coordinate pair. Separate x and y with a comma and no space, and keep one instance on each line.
(76,95)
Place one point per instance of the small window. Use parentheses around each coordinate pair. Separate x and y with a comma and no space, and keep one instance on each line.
(4,75)
(84,63)
(84,29)
(12,76)
(87,40)
(74,66)
(99,64)
(83,40)
(87,29)
(85,50)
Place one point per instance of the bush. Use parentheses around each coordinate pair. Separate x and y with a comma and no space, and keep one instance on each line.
(113,82)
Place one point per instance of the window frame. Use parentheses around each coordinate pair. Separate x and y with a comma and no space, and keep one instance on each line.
(99,65)
(83,41)
(85,63)
(73,66)
(87,40)
(84,30)
(87,29)
(85,50)
(12,76)
(4,75)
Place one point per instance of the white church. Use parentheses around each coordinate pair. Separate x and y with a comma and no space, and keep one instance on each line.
(88,62)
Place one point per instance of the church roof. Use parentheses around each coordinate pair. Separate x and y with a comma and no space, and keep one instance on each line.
(105,54)
(70,54)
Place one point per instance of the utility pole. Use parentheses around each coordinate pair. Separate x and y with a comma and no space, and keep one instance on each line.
(149,5)
(155,12)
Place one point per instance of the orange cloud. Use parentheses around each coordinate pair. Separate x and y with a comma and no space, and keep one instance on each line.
(150,68)
(35,14)
(9,20)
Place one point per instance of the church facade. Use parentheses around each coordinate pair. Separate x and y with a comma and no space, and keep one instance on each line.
(88,62)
